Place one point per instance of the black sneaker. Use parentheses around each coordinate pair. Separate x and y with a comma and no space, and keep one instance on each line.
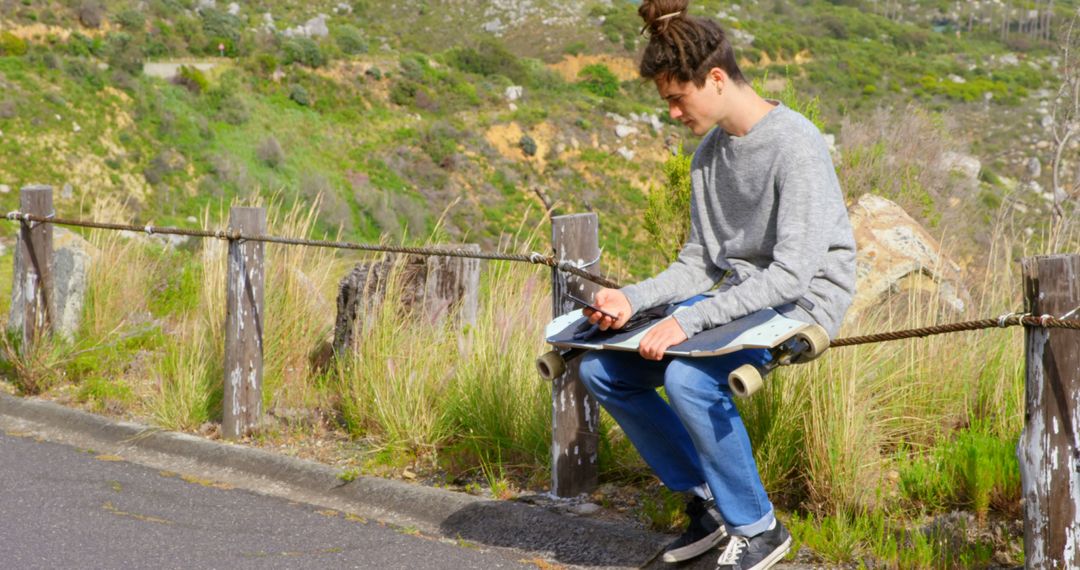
(757,552)
(706,530)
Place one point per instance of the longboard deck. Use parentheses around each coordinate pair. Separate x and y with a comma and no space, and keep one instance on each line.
(763,329)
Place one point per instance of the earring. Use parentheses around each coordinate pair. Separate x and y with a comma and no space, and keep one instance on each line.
(719,89)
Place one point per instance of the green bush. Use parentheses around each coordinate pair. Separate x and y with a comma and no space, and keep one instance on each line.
(350,40)
(220,28)
(10,44)
(192,78)
(125,53)
(528,145)
(80,45)
(489,58)
(131,20)
(599,80)
(303,51)
(299,95)
(667,216)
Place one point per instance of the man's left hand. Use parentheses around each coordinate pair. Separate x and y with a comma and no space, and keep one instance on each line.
(665,334)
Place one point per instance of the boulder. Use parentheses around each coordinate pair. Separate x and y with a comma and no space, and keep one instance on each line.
(623,131)
(316,27)
(71,267)
(965,164)
(896,255)
(514,92)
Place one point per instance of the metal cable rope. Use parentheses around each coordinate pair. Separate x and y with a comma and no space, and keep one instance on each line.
(1044,321)
(536,258)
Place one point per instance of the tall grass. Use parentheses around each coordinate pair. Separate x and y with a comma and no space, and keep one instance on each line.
(471,389)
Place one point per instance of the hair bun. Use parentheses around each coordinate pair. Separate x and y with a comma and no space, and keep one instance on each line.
(659,14)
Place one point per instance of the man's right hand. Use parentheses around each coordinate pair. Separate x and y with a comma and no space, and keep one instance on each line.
(610,301)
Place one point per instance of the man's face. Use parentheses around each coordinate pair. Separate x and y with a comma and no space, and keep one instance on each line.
(689,104)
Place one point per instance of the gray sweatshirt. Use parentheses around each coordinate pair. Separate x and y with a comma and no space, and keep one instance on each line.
(766,209)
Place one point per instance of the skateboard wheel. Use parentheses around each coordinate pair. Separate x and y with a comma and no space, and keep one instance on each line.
(816,339)
(745,380)
(551,365)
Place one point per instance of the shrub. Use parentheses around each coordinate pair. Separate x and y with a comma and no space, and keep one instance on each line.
(528,145)
(599,80)
(575,48)
(10,44)
(220,28)
(303,51)
(270,152)
(488,58)
(233,110)
(125,53)
(299,95)
(374,73)
(440,143)
(666,216)
(350,40)
(82,46)
(131,20)
(191,78)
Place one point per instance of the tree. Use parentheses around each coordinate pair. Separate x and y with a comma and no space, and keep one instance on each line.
(1065,112)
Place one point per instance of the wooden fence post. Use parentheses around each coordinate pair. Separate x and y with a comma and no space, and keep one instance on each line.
(32,307)
(1049,451)
(575,414)
(244,325)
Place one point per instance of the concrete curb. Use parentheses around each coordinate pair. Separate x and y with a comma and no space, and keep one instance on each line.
(568,540)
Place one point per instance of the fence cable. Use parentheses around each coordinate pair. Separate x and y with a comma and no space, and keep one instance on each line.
(577,269)
(573,268)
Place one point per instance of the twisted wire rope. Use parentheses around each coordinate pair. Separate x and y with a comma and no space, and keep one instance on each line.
(577,269)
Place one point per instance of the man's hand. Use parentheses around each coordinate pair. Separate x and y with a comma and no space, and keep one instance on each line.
(610,301)
(665,334)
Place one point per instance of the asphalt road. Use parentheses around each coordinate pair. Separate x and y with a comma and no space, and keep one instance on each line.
(62,507)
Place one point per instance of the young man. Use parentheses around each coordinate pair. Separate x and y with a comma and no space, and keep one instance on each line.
(769,225)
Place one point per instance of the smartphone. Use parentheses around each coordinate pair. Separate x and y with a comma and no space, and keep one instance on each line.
(588,305)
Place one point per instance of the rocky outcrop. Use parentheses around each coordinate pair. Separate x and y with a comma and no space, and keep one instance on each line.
(70,272)
(897,255)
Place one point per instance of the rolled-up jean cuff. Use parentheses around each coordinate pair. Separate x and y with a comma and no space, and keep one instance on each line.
(754,528)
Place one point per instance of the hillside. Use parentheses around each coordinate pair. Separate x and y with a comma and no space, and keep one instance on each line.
(396,112)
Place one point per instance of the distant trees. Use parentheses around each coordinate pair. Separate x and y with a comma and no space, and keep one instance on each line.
(1008,19)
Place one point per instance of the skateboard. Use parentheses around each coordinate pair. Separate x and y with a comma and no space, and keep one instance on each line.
(789,342)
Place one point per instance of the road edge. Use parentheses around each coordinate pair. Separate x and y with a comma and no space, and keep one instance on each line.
(567,539)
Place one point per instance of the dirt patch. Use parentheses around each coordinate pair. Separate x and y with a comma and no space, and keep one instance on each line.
(624,68)
(42,32)
(801,58)
(506,139)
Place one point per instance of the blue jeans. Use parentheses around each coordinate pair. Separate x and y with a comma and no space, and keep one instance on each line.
(698,438)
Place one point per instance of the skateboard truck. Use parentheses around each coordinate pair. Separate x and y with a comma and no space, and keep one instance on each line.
(805,346)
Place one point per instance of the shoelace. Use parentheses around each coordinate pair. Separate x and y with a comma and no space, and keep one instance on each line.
(730,556)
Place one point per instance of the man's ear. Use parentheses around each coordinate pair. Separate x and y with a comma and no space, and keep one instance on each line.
(719,76)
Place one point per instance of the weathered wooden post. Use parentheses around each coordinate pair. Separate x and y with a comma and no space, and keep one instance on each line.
(244,325)
(32,305)
(575,414)
(432,287)
(452,284)
(1049,450)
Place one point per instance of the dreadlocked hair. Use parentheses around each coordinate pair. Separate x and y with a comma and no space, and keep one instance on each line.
(681,47)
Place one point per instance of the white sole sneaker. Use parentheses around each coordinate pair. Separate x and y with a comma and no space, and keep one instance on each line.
(696,549)
(773,557)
